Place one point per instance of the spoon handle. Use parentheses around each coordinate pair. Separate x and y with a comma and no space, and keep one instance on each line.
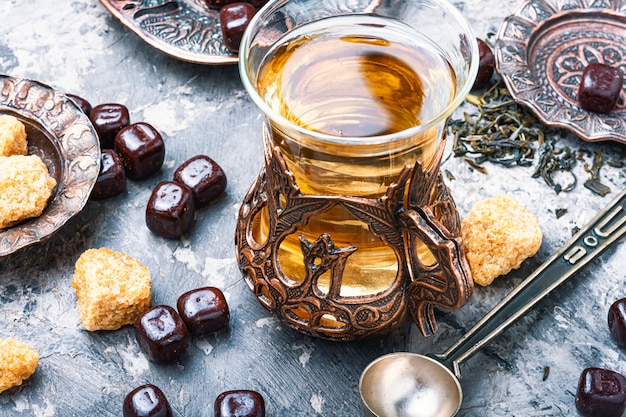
(606,228)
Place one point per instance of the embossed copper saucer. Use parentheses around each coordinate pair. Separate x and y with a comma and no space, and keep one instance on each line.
(185,29)
(64,138)
(542,49)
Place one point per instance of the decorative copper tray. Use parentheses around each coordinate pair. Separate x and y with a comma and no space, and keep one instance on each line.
(63,137)
(542,49)
(185,29)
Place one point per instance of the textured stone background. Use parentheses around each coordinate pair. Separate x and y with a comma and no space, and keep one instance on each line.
(77,47)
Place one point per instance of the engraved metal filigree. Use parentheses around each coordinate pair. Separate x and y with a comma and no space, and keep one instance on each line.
(64,138)
(188,29)
(542,49)
(404,219)
(184,29)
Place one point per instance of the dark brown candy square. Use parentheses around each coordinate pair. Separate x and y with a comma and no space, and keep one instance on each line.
(258,3)
(239,403)
(204,310)
(84,105)
(617,322)
(218,4)
(486,64)
(203,176)
(162,334)
(112,177)
(141,149)
(170,210)
(600,87)
(146,401)
(601,392)
(234,19)
(108,119)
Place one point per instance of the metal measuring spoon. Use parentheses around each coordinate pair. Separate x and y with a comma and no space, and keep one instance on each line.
(411,385)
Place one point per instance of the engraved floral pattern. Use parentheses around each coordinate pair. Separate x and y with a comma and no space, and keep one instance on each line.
(64,138)
(542,50)
(188,29)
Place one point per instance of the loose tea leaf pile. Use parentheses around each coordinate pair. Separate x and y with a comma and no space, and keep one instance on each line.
(503,132)
(500,132)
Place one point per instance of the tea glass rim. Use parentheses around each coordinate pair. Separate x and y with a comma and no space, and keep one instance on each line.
(275,116)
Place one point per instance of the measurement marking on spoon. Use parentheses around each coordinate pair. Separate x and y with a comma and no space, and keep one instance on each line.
(579,251)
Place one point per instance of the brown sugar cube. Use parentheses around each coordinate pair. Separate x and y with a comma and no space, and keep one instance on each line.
(112,288)
(600,87)
(18,362)
(498,235)
(12,136)
(25,188)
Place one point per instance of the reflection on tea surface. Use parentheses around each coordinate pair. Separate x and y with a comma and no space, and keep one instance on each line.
(356,76)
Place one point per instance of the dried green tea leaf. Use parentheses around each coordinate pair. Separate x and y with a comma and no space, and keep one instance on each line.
(560,212)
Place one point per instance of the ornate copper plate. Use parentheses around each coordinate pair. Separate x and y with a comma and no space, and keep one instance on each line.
(185,29)
(542,49)
(63,137)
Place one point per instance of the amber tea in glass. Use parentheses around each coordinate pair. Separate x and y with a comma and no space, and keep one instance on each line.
(353,93)
(353,77)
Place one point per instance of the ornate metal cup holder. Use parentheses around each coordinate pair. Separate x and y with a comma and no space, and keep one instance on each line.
(416,210)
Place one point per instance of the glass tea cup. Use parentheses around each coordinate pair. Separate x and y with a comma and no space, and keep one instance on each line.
(355,97)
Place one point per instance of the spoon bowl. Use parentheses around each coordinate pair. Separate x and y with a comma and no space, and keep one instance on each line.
(407,384)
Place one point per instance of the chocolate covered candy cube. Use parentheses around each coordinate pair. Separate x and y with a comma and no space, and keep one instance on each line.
(108,119)
(203,176)
(617,322)
(601,392)
(486,64)
(141,149)
(600,87)
(204,310)
(218,4)
(170,210)
(84,105)
(239,403)
(258,3)
(146,401)
(111,180)
(234,19)
(162,334)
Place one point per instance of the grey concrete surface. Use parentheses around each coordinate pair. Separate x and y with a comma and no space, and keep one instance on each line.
(77,47)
